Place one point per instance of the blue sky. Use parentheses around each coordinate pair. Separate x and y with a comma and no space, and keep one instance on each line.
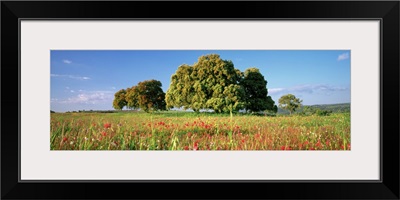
(88,79)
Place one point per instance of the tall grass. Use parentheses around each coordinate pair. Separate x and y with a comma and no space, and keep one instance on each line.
(197,131)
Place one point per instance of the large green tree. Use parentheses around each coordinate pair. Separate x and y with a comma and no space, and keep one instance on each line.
(213,76)
(290,102)
(256,91)
(180,91)
(132,98)
(119,100)
(202,85)
(271,105)
(150,95)
(233,98)
(146,95)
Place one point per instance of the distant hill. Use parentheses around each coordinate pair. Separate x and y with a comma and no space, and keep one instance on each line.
(335,108)
(342,107)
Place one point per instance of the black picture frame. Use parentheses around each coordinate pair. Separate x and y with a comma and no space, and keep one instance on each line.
(386,11)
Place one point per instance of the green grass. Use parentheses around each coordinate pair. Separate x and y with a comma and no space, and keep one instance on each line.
(174,130)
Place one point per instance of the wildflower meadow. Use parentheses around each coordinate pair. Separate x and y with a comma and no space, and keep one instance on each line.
(182,131)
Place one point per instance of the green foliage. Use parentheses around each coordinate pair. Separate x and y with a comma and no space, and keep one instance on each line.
(255,87)
(233,97)
(271,105)
(147,95)
(150,96)
(290,102)
(180,92)
(336,108)
(320,112)
(132,97)
(310,110)
(211,83)
(119,100)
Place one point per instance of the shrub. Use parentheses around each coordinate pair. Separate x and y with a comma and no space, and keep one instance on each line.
(323,112)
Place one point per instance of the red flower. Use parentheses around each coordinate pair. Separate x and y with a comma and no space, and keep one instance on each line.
(107,125)
(348,147)
(64,139)
(286,148)
(186,148)
(196,146)
(104,133)
(319,145)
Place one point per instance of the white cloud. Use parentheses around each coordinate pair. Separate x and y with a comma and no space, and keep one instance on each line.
(343,56)
(72,91)
(275,90)
(91,97)
(70,76)
(67,61)
(310,89)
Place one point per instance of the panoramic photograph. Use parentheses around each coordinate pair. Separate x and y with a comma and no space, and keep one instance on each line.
(200,100)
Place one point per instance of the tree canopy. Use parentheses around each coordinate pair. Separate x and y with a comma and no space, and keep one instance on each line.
(209,84)
(290,102)
(181,91)
(119,100)
(150,96)
(147,95)
(132,98)
(255,87)
(214,83)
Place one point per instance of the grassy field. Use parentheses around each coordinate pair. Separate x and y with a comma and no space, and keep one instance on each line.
(191,131)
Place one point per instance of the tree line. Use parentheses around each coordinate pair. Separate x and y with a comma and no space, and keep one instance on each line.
(146,95)
(210,83)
